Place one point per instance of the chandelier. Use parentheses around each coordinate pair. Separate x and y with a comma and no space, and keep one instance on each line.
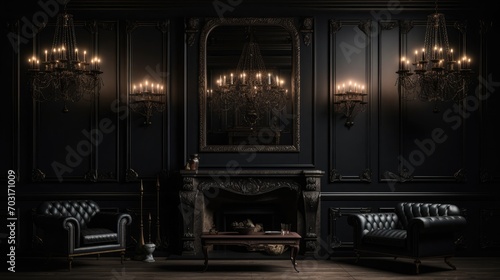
(251,91)
(350,100)
(147,99)
(64,73)
(437,75)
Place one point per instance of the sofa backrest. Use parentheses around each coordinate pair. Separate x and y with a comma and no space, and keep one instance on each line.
(409,210)
(81,210)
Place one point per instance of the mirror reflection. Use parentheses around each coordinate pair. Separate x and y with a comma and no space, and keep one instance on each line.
(250,94)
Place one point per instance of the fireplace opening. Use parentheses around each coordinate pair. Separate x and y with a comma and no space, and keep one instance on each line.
(267,209)
(266,215)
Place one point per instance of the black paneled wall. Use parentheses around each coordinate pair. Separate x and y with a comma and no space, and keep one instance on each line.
(396,150)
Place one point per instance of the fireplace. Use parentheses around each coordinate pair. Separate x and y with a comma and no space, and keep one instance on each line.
(214,199)
(269,209)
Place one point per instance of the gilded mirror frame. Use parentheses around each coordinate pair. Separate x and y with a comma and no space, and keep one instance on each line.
(288,25)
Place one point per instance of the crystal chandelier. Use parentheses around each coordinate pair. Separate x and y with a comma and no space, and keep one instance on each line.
(147,99)
(350,101)
(64,73)
(251,91)
(437,75)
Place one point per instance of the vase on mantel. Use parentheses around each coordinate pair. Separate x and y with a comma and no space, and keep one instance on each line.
(194,162)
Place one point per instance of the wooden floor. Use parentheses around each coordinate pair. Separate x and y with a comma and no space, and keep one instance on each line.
(371,268)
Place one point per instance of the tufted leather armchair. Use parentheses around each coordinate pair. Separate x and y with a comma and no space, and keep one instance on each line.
(76,228)
(414,230)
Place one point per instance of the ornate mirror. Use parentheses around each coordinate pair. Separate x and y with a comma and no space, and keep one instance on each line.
(249,85)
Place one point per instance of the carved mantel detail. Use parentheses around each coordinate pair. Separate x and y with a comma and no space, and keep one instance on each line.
(250,186)
(198,188)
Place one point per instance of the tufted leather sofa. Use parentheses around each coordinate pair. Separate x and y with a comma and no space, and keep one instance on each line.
(75,228)
(414,230)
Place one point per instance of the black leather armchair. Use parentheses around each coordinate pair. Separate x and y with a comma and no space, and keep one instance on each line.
(76,228)
(414,230)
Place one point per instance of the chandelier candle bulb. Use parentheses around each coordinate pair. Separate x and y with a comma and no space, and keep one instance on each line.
(231,75)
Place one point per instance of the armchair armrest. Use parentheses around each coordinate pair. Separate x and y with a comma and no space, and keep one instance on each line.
(366,222)
(110,220)
(58,230)
(51,222)
(436,224)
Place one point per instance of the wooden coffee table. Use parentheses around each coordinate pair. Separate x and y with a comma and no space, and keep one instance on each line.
(251,241)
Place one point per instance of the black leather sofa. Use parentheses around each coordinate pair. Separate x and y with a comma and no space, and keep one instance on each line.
(76,228)
(414,230)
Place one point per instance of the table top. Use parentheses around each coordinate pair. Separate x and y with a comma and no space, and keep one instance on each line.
(255,235)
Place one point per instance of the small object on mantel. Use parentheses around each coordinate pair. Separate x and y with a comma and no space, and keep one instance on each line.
(194,162)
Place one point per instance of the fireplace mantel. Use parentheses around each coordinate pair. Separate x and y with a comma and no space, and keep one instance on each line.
(199,186)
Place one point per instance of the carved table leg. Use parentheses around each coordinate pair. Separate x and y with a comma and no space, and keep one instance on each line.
(293,256)
(205,254)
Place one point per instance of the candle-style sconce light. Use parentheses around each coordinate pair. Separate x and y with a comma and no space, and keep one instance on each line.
(147,99)
(350,100)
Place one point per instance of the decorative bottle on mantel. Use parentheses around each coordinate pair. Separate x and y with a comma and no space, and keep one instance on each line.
(194,162)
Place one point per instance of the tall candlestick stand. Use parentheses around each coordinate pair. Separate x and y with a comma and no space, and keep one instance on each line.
(158,238)
(141,238)
(140,251)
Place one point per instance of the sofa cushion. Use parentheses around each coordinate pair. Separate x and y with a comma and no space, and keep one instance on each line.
(98,236)
(386,237)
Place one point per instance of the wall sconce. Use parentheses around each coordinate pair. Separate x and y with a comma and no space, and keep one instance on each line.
(350,100)
(147,99)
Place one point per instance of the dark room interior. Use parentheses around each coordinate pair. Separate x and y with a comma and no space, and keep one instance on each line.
(227,137)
